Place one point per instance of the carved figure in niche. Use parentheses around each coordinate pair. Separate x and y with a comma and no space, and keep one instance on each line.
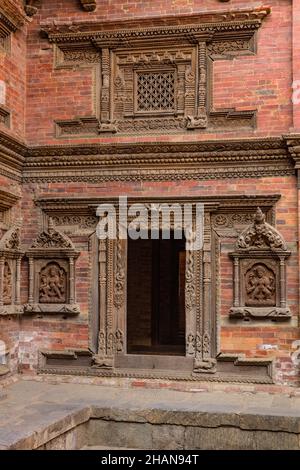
(52,284)
(260,286)
(7,285)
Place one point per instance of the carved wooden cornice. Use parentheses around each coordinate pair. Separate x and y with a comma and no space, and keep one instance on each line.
(158,161)
(88,205)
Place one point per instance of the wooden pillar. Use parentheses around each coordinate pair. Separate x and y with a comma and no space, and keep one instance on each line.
(31,281)
(18,281)
(1,279)
(71,281)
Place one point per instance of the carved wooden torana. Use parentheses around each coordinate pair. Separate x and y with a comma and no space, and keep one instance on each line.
(260,272)
(52,274)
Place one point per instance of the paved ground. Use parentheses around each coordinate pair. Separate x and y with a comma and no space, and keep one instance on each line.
(35,411)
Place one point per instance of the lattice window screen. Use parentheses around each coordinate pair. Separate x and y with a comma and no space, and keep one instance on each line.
(156,91)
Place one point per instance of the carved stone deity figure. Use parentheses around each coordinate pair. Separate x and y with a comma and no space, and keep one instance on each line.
(52,284)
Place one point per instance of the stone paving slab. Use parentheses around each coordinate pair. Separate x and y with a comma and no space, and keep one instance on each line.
(34,413)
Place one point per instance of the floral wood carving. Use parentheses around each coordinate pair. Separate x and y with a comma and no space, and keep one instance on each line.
(52,239)
(260,272)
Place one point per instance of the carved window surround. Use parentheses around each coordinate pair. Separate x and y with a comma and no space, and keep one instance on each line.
(260,273)
(52,274)
(11,19)
(186,52)
(10,272)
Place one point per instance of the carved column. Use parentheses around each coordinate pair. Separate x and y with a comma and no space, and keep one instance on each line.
(105,70)
(31,283)
(199,120)
(110,323)
(18,281)
(72,281)
(105,111)
(1,280)
(120,295)
(206,287)
(282,283)
(102,303)
(206,363)
(202,65)
(190,304)
(181,86)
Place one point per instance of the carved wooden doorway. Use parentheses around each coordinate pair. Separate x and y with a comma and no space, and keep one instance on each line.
(189,347)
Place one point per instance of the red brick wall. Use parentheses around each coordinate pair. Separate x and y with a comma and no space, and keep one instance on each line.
(261,81)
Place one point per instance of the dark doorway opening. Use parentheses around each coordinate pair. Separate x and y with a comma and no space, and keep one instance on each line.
(156,297)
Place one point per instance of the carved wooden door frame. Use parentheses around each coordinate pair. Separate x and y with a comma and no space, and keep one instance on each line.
(199,302)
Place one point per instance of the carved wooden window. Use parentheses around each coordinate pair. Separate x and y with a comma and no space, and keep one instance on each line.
(155,91)
(260,273)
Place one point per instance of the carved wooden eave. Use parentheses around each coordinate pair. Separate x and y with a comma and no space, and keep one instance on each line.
(159,161)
